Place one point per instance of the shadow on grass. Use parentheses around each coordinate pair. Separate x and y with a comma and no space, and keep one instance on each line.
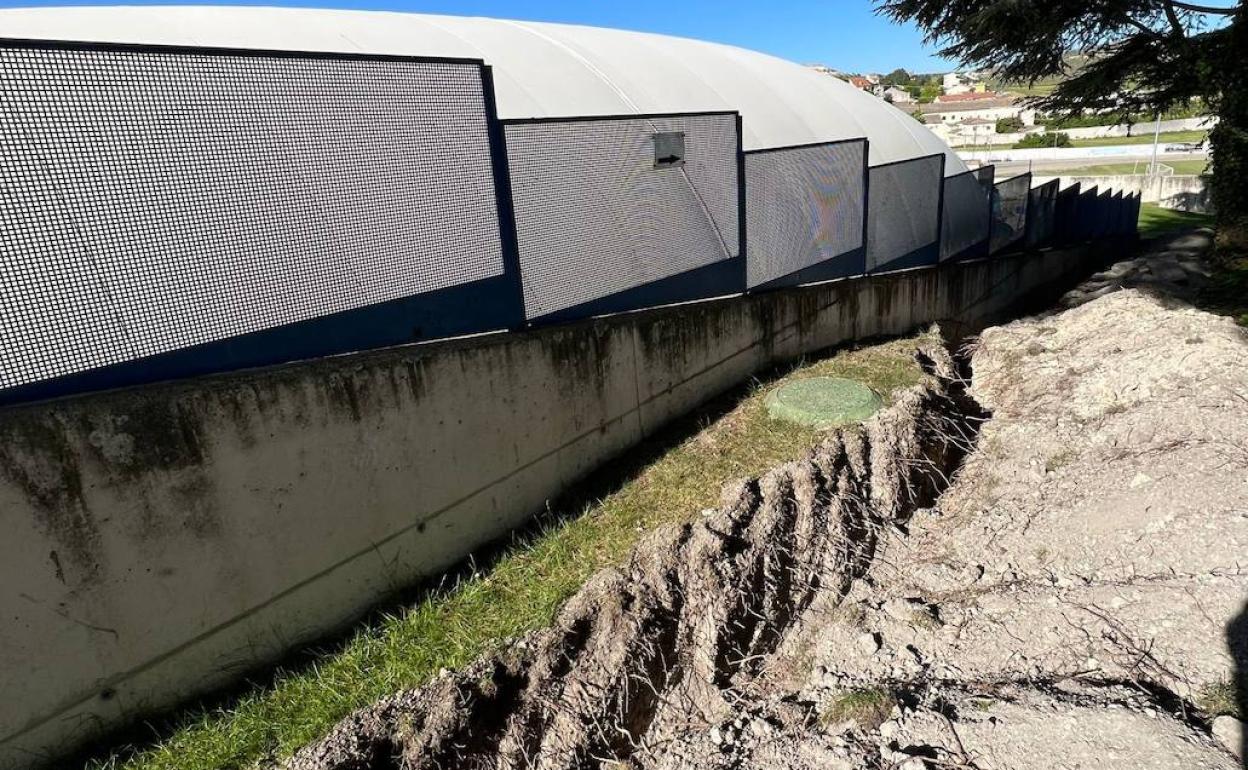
(1226,292)
(1156,221)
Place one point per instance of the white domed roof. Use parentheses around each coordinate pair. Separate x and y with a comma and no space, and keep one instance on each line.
(540,70)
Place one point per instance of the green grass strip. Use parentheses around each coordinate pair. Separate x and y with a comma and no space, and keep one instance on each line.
(1154,220)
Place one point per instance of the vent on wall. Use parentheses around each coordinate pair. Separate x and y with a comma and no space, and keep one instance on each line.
(669,149)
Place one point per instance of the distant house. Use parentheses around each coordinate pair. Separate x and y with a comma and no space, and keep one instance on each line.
(859,82)
(973,130)
(959,83)
(898,95)
(972,118)
(986,106)
(970,96)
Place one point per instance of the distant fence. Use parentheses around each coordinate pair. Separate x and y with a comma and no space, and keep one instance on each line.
(174,212)
(1009,212)
(1089,213)
(1183,192)
(1041,226)
(967,216)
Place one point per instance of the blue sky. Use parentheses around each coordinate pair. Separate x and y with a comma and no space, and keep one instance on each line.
(845,34)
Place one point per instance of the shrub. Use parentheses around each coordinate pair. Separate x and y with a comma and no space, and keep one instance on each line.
(1044,140)
(1009,125)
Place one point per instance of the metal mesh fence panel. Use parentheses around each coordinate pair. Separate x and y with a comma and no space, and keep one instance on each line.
(1103,223)
(903,213)
(986,176)
(1042,214)
(964,217)
(1009,212)
(804,207)
(597,216)
(157,199)
(1067,214)
(1088,213)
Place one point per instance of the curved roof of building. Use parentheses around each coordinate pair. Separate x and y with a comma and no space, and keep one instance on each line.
(540,70)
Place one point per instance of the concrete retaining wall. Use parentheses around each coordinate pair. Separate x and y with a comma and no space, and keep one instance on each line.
(160,541)
(1183,193)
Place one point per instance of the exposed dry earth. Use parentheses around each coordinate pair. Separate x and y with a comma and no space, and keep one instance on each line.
(1035,567)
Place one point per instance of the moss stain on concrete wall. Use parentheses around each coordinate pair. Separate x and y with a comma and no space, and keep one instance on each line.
(37,456)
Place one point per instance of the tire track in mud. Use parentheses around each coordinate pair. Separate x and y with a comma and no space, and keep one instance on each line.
(673,639)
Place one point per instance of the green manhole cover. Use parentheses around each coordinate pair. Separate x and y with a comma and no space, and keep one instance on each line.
(823,402)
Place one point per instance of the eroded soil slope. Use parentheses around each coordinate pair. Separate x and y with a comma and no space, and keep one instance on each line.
(1077,594)
(1052,585)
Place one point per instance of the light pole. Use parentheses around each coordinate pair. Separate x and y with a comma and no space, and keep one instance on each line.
(1152,169)
(1155,177)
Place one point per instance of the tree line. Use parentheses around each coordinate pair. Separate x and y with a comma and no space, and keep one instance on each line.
(1143,57)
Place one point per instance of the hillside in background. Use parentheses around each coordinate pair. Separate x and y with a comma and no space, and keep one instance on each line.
(1045,86)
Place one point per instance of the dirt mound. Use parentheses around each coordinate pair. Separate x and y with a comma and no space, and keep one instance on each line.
(1085,569)
(677,640)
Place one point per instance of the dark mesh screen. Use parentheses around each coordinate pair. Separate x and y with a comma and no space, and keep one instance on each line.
(155,200)
(1066,228)
(1042,214)
(1087,215)
(964,216)
(595,217)
(1009,211)
(803,206)
(903,212)
(1104,214)
(986,176)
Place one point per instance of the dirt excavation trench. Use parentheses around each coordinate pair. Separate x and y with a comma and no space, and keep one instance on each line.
(1030,560)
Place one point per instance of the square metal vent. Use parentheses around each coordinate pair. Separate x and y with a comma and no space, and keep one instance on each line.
(669,149)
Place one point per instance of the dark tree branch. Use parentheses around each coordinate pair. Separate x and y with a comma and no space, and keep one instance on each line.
(1203,8)
(1176,24)
(1141,26)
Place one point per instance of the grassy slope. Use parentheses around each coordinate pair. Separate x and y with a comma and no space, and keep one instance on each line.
(1165,138)
(1044,86)
(1181,168)
(521,591)
(1155,220)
